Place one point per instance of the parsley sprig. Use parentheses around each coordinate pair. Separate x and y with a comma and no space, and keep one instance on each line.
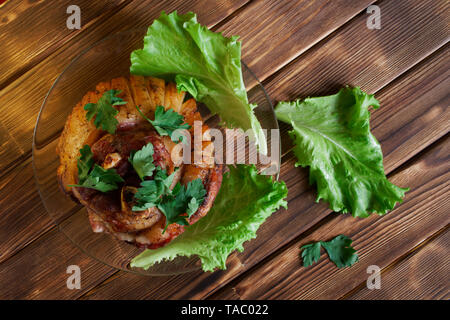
(95,177)
(150,193)
(182,202)
(177,205)
(142,161)
(166,122)
(104,112)
(339,250)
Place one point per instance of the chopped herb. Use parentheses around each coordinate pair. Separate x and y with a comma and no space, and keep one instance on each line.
(142,161)
(150,193)
(166,122)
(104,111)
(177,205)
(97,178)
(100,179)
(182,202)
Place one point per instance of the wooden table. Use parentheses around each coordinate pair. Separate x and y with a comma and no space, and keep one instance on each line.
(297,49)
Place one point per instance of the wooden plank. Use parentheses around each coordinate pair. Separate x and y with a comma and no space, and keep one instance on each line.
(378,240)
(26,40)
(23,97)
(426,80)
(411,31)
(23,216)
(273,33)
(422,275)
(40,272)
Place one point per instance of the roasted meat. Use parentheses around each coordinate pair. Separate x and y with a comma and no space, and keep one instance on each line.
(111,211)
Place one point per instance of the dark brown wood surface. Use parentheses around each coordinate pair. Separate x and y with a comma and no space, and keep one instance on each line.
(297,49)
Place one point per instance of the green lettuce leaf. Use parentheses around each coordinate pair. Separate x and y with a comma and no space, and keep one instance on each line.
(203,63)
(332,136)
(244,202)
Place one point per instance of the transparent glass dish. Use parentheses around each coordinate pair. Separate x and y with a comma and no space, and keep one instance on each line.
(105,60)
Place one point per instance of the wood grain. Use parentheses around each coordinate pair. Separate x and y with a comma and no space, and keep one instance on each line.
(357,56)
(24,96)
(23,217)
(378,240)
(423,275)
(284,226)
(273,33)
(39,271)
(26,40)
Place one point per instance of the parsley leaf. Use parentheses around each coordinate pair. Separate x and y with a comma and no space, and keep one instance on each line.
(339,251)
(166,122)
(332,136)
(182,201)
(85,162)
(142,161)
(311,253)
(150,192)
(173,207)
(196,193)
(100,179)
(104,111)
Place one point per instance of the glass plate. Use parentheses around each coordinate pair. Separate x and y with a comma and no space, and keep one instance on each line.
(105,60)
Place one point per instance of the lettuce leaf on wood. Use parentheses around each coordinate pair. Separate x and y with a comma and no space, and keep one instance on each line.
(332,137)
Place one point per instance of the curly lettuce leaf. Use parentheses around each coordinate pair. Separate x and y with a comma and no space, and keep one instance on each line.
(203,63)
(244,202)
(332,137)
